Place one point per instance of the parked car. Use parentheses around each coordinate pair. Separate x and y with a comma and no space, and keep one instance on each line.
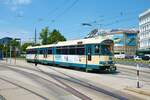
(145,58)
(137,57)
(119,55)
(129,57)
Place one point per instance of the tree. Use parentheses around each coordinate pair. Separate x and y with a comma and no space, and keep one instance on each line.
(25,45)
(1,47)
(14,43)
(44,35)
(55,36)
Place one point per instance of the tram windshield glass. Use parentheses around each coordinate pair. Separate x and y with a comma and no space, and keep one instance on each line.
(105,50)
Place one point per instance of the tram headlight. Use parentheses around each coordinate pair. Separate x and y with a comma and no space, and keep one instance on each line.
(110,62)
(102,63)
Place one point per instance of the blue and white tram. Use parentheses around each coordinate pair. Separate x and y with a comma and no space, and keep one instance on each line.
(90,54)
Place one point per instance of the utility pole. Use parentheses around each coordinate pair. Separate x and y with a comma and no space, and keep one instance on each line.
(10,54)
(138,70)
(6,52)
(35,35)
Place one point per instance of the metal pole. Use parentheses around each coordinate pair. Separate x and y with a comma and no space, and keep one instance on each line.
(15,54)
(138,69)
(6,54)
(35,35)
(10,55)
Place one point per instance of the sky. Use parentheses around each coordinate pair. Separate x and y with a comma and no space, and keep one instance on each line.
(19,18)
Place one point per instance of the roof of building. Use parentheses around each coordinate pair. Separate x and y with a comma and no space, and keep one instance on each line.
(145,13)
(119,31)
(7,38)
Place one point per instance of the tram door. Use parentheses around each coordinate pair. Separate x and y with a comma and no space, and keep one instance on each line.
(89,57)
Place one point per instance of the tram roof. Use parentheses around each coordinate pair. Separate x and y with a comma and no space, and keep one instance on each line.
(94,40)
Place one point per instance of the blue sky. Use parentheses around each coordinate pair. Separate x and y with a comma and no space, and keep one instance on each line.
(18,18)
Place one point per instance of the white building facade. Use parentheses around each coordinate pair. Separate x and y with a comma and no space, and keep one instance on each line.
(144,28)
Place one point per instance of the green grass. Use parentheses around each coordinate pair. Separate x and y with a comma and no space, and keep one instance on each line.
(132,60)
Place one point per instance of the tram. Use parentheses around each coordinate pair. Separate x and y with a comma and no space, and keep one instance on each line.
(89,54)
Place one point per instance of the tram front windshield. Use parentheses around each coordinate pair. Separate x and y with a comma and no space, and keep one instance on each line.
(106,50)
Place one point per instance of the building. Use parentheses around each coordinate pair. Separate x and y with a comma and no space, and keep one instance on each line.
(125,41)
(5,40)
(1,55)
(144,35)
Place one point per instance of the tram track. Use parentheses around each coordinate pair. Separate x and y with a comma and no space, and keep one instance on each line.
(67,87)
(29,90)
(82,83)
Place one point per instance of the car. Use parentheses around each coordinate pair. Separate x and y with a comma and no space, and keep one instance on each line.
(129,57)
(119,56)
(145,58)
(137,58)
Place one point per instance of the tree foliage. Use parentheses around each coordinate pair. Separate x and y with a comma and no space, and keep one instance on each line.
(14,43)
(1,46)
(55,36)
(51,37)
(24,46)
(44,35)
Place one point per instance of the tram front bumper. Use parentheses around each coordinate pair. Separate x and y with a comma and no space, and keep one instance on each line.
(107,65)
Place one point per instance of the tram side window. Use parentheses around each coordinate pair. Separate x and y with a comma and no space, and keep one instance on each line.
(41,52)
(28,52)
(80,50)
(49,51)
(45,53)
(31,51)
(64,50)
(97,49)
(34,51)
(58,50)
(72,51)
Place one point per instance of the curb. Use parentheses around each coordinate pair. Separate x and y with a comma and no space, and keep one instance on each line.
(138,90)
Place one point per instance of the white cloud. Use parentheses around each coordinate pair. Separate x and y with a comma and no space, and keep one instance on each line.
(14,4)
(17,2)
(21,2)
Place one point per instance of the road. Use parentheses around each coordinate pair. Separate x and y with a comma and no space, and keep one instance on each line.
(46,82)
(132,73)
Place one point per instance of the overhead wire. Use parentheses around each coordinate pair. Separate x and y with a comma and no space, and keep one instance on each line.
(67,9)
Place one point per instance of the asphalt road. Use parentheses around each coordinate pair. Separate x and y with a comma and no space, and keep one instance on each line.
(132,73)
(58,85)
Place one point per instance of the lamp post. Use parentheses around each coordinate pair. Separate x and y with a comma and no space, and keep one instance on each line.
(10,47)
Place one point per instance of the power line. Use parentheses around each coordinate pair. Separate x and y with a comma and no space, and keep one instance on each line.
(57,8)
(119,21)
(67,9)
(121,14)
